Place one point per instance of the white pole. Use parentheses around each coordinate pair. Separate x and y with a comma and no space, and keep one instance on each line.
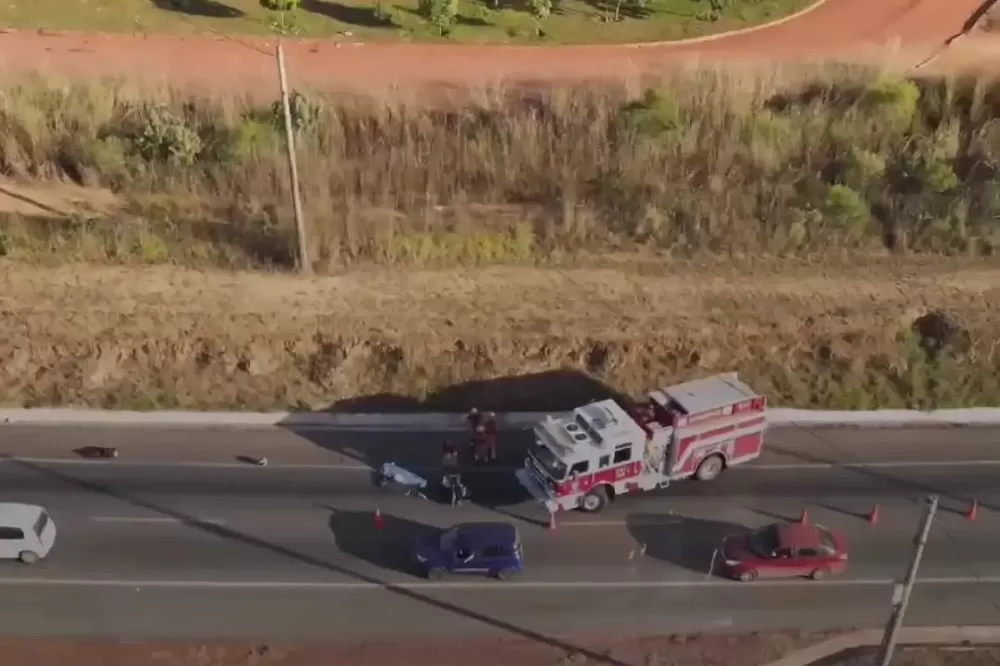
(300,227)
(903,600)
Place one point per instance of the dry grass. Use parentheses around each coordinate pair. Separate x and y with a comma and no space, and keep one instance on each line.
(714,164)
(840,336)
(799,233)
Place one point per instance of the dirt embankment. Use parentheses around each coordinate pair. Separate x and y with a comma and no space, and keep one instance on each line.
(514,338)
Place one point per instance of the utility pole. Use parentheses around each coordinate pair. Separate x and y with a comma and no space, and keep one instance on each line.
(300,225)
(901,598)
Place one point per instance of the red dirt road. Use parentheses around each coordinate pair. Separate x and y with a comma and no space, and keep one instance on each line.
(840,29)
(705,650)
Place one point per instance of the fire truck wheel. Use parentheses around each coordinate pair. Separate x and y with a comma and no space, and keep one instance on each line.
(710,468)
(594,501)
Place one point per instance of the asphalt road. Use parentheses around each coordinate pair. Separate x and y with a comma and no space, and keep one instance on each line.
(174,539)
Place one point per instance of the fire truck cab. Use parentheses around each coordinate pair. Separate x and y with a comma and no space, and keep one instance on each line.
(585,458)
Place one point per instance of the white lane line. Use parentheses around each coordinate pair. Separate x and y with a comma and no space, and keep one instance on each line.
(358,467)
(478,585)
(878,464)
(190,464)
(131,519)
(429,585)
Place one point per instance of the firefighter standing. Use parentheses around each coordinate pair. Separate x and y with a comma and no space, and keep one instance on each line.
(449,458)
(490,435)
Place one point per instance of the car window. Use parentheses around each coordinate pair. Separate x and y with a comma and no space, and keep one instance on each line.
(580,468)
(463,554)
(605,461)
(11,533)
(783,553)
(493,551)
(623,454)
(764,542)
(827,542)
(808,552)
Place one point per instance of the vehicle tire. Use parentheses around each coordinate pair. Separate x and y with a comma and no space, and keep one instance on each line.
(748,576)
(505,574)
(710,468)
(819,574)
(436,573)
(594,501)
(27,557)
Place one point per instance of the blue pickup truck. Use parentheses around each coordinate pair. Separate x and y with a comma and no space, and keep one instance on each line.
(492,549)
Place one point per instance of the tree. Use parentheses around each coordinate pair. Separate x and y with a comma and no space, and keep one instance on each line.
(540,9)
(439,13)
(282,7)
(634,8)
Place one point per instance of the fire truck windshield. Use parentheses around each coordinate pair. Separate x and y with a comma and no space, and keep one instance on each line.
(548,460)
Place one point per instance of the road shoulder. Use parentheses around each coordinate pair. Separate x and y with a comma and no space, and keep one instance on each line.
(704,650)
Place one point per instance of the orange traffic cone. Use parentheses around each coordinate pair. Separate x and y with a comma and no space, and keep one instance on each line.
(379,521)
(804,518)
(873,516)
(973,510)
(552,521)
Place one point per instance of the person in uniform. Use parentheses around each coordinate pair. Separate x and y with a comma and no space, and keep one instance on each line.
(490,435)
(449,458)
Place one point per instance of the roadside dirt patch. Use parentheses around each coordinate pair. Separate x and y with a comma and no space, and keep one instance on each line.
(55,199)
(703,650)
(855,30)
(837,336)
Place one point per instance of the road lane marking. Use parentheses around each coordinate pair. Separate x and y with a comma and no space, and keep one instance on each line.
(131,519)
(431,585)
(876,464)
(192,464)
(510,586)
(358,467)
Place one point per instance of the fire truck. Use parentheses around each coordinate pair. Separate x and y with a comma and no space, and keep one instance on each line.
(585,458)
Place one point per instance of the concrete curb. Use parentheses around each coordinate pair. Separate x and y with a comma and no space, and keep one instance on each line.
(907,636)
(455,422)
(730,33)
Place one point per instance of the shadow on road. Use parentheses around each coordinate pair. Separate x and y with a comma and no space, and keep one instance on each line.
(550,391)
(560,390)
(491,486)
(689,543)
(388,548)
(250,541)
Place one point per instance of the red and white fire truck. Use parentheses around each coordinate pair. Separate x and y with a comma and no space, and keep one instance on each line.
(584,458)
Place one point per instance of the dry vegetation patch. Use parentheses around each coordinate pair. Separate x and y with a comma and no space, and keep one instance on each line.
(831,234)
(838,336)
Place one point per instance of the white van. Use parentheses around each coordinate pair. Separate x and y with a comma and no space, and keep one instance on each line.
(27,532)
